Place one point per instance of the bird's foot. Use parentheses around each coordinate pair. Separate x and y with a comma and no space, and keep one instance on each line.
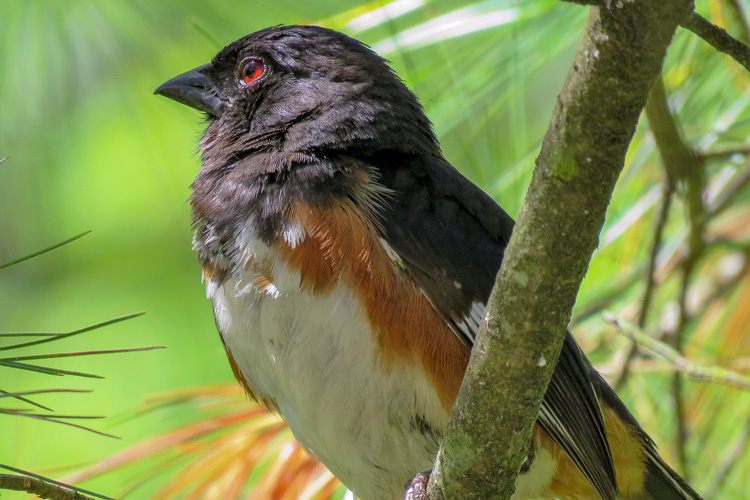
(416,489)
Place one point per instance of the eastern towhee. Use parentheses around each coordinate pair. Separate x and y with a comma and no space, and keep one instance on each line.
(349,265)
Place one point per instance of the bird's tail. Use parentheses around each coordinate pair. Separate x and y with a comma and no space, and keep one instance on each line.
(662,483)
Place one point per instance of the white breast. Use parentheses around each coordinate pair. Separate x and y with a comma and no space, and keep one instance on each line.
(316,357)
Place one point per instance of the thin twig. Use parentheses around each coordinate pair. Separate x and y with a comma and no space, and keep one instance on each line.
(19,397)
(622,371)
(40,252)
(59,336)
(724,198)
(53,418)
(719,39)
(725,286)
(39,488)
(692,369)
(5,394)
(724,153)
(720,201)
(81,353)
(681,163)
(695,182)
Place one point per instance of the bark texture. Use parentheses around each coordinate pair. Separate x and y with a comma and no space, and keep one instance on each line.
(597,111)
(39,488)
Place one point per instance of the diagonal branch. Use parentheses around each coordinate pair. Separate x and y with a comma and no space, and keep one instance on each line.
(715,36)
(622,371)
(719,39)
(39,488)
(582,155)
(692,369)
(681,163)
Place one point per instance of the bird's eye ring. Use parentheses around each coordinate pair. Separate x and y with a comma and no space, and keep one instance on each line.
(251,70)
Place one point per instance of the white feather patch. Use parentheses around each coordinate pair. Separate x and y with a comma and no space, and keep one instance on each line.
(470,323)
(391,253)
(317,358)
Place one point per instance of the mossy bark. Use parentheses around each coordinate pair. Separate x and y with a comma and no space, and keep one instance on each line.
(597,111)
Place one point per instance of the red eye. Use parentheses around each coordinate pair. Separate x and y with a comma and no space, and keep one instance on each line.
(251,70)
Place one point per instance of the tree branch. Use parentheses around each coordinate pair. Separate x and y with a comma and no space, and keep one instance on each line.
(677,159)
(623,370)
(681,163)
(39,488)
(582,155)
(692,369)
(724,153)
(715,36)
(719,39)
(723,199)
(674,154)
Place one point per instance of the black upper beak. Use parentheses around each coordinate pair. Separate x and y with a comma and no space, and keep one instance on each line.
(194,89)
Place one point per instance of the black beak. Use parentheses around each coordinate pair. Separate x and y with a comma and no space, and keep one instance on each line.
(193,89)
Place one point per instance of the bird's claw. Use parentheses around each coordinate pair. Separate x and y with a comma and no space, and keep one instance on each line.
(416,489)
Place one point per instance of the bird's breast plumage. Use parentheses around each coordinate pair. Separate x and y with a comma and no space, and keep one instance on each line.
(320,326)
(324,326)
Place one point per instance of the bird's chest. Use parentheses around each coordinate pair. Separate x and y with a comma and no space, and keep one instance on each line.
(313,354)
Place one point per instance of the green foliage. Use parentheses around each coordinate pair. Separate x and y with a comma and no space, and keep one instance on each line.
(8,363)
(91,147)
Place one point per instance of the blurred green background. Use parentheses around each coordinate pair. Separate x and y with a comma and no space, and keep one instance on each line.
(91,148)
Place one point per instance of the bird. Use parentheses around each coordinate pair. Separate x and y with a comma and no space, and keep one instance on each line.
(349,264)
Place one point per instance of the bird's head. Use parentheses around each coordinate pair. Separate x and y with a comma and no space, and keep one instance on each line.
(301,89)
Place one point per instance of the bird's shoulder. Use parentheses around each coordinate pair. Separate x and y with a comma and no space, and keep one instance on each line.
(448,233)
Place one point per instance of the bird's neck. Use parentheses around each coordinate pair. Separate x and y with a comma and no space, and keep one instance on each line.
(261,194)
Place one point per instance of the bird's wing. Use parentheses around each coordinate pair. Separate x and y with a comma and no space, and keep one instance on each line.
(450,238)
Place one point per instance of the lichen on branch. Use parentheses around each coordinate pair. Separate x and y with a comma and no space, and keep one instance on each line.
(582,155)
